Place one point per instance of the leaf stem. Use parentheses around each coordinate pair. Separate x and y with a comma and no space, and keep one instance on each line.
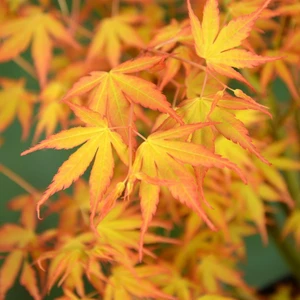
(115,6)
(201,67)
(19,180)
(25,65)
(141,136)
(130,131)
(63,7)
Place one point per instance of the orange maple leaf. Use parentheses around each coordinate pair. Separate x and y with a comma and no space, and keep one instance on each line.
(161,160)
(96,134)
(217,47)
(114,91)
(36,26)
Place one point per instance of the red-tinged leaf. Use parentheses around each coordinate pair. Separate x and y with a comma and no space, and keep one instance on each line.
(145,93)
(93,135)
(237,30)
(171,69)
(228,72)
(149,197)
(196,155)
(113,92)
(102,172)
(234,130)
(197,30)
(41,53)
(217,48)
(85,84)
(28,280)
(166,159)
(9,271)
(241,102)
(222,119)
(118,104)
(180,131)
(169,35)
(239,58)
(210,24)
(67,139)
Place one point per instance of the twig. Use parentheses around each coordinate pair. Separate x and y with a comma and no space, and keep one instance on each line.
(26,66)
(19,180)
(63,7)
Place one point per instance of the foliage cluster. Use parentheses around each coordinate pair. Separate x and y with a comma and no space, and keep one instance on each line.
(190,149)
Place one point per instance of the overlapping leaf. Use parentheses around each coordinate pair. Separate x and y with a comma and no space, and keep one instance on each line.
(98,139)
(114,91)
(161,160)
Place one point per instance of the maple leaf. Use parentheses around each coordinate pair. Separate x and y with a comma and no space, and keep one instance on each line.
(70,260)
(173,65)
(120,229)
(73,210)
(15,101)
(217,47)
(125,283)
(292,226)
(23,244)
(114,91)
(51,112)
(254,206)
(9,271)
(221,113)
(109,35)
(175,284)
(96,136)
(213,270)
(36,26)
(169,35)
(161,158)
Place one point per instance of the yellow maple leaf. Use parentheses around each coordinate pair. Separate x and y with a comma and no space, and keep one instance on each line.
(36,26)
(109,35)
(218,47)
(97,134)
